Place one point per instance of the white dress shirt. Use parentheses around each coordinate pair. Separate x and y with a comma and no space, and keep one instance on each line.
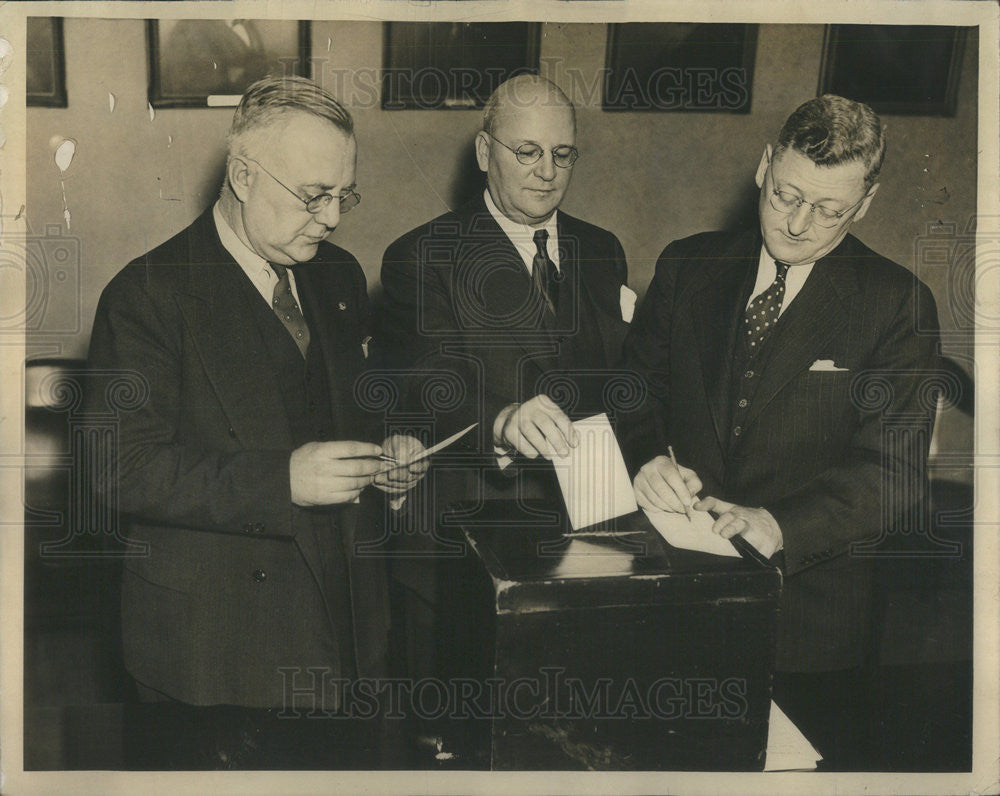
(523,236)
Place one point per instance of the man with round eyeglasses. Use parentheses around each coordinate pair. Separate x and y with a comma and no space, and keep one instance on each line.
(245,470)
(519,305)
(773,357)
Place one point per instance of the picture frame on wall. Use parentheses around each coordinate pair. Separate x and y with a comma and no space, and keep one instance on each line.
(680,66)
(45,62)
(896,69)
(210,62)
(454,65)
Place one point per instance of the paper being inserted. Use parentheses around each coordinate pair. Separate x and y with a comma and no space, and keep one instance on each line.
(592,476)
(693,534)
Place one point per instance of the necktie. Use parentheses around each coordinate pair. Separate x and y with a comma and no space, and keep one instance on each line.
(543,271)
(762,314)
(287,309)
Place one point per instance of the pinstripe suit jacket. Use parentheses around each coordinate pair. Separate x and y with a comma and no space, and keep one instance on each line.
(815,448)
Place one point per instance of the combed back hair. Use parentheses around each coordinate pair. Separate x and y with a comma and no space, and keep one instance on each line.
(270,98)
(509,92)
(832,130)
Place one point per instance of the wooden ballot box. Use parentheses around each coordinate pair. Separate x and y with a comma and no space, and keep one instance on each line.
(608,649)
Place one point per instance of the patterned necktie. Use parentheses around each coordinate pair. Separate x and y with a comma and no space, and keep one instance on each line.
(543,271)
(287,309)
(762,314)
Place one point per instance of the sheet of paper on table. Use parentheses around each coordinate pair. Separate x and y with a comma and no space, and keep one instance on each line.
(787,748)
(593,478)
(693,534)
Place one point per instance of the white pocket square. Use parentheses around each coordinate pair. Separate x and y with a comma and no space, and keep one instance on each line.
(825,364)
(627,297)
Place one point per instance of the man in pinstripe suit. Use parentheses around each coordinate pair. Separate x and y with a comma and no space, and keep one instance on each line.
(773,357)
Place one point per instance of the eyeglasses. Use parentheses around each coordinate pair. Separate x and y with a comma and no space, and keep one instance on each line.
(787,202)
(317,204)
(563,156)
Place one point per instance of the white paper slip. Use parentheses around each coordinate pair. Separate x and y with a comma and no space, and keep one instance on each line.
(693,534)
(435,448)
(592,476)
(787,748)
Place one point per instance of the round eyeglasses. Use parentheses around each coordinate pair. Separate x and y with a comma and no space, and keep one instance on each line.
(563,156)
(317,204)
(787,202)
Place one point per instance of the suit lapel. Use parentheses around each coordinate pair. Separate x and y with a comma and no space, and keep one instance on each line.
(714,307)
(218,312)
(491,281)
(326,307)
(584,288)
(817,314)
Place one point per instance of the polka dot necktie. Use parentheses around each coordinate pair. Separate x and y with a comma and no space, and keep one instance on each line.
(762,314)
(543,271)
(287,309)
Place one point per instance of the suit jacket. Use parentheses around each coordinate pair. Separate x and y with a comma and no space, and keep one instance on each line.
(813,448)
(460,303)
(231,591)
(469,335)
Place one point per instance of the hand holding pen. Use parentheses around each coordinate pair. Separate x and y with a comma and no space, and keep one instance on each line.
(664,485)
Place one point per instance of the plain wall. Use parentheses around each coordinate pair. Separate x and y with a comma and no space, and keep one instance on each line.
(649,177)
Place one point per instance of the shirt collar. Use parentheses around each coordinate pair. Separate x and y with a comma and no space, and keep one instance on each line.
(247,258)
(520,233)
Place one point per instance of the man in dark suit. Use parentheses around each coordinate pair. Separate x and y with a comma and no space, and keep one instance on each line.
(519,300)
(518,307)
(242,468)
(777,359)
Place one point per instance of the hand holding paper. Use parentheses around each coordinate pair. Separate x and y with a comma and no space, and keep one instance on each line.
(412,455)
(408,456)
(535,428)
(756,525)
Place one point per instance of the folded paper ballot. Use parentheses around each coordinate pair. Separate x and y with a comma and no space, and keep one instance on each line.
(432,450)
(693,534)
(592,476)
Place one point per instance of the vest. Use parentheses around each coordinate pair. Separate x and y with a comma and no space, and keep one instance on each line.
(305,394)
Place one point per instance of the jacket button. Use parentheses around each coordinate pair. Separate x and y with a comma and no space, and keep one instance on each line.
(737,431)
(259,575)
(743,403)
(247,527)
(258,527)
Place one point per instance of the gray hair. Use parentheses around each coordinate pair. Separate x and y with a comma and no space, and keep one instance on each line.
(267,100)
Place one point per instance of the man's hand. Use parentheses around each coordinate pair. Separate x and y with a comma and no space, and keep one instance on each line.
(324,473)
(757,526)
(403,478)
(535,428)
(660,486)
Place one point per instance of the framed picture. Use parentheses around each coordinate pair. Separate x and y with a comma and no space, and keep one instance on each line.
(682,66)
(432,65)
(904,69)
(45,83)
(199,62)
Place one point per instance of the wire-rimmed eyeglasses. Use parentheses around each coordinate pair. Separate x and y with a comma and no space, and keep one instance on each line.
(317,204)
(527,154)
